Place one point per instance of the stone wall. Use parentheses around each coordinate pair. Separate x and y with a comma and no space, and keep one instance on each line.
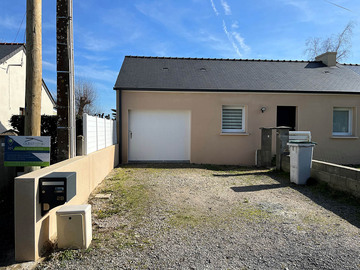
(338,177)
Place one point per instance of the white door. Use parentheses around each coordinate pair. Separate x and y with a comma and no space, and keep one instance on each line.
(158,135)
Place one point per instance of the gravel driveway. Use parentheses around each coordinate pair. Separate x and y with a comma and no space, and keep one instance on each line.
(215,217)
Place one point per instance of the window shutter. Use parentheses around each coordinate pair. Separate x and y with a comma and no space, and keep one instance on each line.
(232,119)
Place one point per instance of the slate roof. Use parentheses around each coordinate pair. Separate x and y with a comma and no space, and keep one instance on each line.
(214,75)
(7,50)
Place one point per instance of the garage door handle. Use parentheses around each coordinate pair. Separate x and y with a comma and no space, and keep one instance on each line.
(130,134)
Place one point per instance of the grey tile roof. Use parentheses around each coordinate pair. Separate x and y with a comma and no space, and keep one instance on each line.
(197,74)
(7,50)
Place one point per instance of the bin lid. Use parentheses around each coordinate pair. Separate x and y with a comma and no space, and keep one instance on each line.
(302,144)
(66,209)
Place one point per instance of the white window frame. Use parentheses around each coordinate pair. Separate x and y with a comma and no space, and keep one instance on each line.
(242,130)
(350,122)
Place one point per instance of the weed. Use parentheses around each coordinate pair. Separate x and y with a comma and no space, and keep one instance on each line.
(129,196)
(67,255)
(186,218)
(250,213)
(190,217)
(315,219)
(300,228)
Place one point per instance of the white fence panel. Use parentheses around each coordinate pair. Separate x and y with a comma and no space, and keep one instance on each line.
(108,133)
(114,135)
(90,133)
(98,132)
(101,133)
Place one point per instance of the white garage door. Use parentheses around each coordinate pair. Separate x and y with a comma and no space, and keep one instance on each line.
(159,135)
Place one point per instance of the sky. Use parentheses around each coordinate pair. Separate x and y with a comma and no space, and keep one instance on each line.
(105,31)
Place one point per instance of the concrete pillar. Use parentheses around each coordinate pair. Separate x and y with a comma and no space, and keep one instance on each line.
(266,145)
(80,143)
(282,138)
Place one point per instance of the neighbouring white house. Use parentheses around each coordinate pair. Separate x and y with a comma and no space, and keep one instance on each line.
(13,83)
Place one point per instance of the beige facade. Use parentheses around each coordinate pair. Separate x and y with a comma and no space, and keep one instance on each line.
(12,90)
(314,112)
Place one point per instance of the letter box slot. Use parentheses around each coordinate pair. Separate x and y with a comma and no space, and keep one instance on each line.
(55,189)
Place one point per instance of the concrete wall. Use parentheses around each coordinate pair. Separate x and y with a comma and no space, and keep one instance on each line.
(209,145)
(338,177)
(33,231)
(12,90)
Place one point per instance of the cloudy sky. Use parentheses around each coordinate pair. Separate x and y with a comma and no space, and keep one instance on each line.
(105,31)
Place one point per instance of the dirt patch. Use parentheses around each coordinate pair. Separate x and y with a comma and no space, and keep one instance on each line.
(216,217)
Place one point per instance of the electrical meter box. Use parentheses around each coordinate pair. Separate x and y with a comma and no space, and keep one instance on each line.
(74,226)
(55,189)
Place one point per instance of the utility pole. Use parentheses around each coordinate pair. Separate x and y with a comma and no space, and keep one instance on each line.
(65,80)
(33,70)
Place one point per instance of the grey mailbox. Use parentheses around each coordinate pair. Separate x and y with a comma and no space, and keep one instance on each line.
(55,189)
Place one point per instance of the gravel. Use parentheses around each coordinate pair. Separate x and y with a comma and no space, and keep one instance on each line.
(215,217)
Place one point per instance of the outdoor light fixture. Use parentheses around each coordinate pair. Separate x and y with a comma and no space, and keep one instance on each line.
(263,109)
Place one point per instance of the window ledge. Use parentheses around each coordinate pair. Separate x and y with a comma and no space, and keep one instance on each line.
(234,134)
(344,137)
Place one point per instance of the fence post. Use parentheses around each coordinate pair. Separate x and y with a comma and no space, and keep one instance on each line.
(105,126)
(97,134)
(85,132)
(114,132)
(80,145)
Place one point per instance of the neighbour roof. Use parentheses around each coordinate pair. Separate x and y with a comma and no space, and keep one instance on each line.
(202,74)
(49,93)
(7,50)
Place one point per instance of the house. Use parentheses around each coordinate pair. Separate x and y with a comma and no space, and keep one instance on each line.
(13,82)
(211,110)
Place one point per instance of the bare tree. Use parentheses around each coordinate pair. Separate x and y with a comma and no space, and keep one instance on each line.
(340,43)
(85,97)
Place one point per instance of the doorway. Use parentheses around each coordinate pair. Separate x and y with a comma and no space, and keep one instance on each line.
(286,116)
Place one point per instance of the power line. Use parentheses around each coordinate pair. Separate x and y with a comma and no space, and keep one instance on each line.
(338,5)
(20,27)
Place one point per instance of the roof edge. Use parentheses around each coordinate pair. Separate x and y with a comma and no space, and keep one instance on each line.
(48,93)
(231,59)
(216,59)
(13,52)
(235,91)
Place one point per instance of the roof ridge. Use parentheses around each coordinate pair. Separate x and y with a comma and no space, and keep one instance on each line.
(12,43)
(349,64)
(216,59)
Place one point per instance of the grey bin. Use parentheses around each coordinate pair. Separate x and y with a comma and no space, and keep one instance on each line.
(300,162)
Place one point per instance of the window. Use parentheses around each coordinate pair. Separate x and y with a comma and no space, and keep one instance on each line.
(342,121)
(232,119)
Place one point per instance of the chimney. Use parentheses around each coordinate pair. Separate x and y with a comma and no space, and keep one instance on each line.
(328,58)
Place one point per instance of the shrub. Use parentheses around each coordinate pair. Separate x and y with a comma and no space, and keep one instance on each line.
(48,128)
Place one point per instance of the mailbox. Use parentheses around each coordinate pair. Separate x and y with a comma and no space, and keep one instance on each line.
(55,189)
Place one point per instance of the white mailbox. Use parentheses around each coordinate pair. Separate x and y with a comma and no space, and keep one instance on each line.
(74,226)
